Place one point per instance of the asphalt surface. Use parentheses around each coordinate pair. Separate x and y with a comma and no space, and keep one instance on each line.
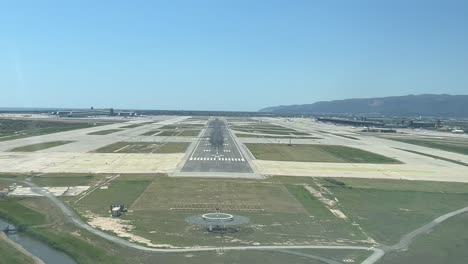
(217,151)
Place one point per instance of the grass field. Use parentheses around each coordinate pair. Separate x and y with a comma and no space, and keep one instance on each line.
(285,220)
(183,126)
(394,185)
(261,126)
(316,153)
(189,133)
(258,256)
(278,137)
(144,147)
(280,209)
(86,248)
(168,133)
(13,129)
(223,194)
(197,118)
(137,125)
(150,133)
(342,256)
(445,244)
(457,147)
(283,132)
(68,179)
(158,209)
(435,157)
(40,146)
(105,132)
(122,190)
(387,209)
(173,147)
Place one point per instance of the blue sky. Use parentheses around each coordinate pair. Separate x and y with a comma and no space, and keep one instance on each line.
(228,54)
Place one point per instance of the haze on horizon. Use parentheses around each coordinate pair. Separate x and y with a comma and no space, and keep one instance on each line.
(228,55)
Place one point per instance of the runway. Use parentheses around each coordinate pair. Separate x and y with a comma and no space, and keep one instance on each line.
(217,151)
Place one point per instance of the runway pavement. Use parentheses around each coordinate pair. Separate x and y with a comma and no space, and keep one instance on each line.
(217,151)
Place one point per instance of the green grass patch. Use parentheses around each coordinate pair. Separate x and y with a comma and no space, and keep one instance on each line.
(387,209)
(456,147)
(9,176)
(275,214)
(105,132)
(166,192)
(283,132)
(446,243)
(144,147)
(17,214)
(339,255)
(182,126)
(173,147)
(125,191)
(150,133)
(137,125)
(388,184)
(278,137)
(83,252)
(189,133)
(312,205)
(386,215)
(65,179)
(435,157)
(168,133)
(14,129)
(40,146)
(262,127)
(316,153)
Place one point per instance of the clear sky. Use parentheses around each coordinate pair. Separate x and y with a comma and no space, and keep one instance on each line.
(228,54)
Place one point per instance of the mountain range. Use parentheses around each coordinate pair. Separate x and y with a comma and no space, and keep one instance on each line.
(409,105)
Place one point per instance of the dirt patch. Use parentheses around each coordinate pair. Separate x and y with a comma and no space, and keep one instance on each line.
(329,203)
(122,228)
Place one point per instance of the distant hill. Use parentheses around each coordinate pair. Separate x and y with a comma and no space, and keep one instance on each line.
(409,105)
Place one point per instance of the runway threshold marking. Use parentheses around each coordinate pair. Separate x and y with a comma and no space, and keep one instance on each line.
(217,159)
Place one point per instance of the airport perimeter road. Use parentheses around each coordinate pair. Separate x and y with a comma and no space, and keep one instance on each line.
(217,151)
